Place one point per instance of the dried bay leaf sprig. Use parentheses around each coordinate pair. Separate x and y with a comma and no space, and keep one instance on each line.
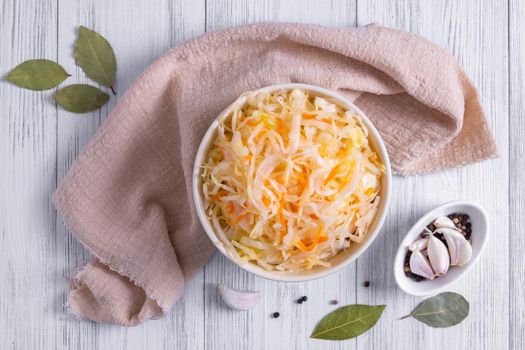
(444,310)
(93,54)
(80,98)
(37,75)
(348,322)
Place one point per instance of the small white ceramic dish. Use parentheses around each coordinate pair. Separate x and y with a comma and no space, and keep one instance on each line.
(344,257)
(480,230)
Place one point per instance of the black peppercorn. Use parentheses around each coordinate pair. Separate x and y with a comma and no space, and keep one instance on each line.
(334,302)
(276,315)
(366,284)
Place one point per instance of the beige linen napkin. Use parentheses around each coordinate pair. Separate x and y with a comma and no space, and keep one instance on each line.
(128,199)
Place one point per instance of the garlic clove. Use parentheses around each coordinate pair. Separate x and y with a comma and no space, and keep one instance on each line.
(419,244)
(459,248)
(239,300)
(420,265)
(444,221)
(438,256)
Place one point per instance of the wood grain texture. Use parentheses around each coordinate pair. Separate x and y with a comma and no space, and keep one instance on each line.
(517,175)
(28,317)
(39,142)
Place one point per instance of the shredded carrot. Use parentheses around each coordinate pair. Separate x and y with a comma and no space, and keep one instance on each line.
(306,244)
(281,206)
(252,122)
(229,207)
(322,239)
(240,217)
(219,195)
(341,168)
(304,247)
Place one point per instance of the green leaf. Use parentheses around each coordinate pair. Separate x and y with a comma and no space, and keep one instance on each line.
(444,310)
(80,98)
(37,75)
(95,56)
(348,322)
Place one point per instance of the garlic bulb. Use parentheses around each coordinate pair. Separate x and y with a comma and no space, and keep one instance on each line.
(459,248)
(420,265)
(438,256)
(239,300)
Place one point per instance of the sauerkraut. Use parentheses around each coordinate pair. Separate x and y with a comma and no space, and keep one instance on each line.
(290,180)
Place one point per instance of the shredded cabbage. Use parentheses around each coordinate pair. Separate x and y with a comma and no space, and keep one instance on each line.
(290,180)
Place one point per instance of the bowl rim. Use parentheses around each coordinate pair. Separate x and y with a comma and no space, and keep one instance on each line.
(439,285)
(313,274)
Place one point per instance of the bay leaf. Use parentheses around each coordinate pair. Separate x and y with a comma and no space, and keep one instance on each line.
(80,98)
(444,310)
(37,75)
(95,56)
(348,322)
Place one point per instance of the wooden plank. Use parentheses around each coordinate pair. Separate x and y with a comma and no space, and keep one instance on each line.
(476,34)
(229,13)
(27,178)
(256,329)
(139,34)
(517,174)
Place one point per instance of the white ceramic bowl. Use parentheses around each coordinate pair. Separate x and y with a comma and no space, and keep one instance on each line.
(344,257)
(480,229)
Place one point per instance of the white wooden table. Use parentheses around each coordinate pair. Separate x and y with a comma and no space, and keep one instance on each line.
(38,143)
